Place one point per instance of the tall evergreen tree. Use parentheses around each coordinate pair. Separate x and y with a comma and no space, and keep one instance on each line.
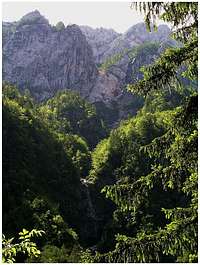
(175,153)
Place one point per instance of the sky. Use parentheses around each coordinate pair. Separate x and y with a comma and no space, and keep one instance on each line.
(116,15)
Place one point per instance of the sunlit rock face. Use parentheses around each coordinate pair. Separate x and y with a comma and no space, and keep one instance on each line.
(122,59)
(106,43)
(43,59)
(100,40)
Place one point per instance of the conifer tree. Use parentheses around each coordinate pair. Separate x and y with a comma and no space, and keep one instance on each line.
(174,153)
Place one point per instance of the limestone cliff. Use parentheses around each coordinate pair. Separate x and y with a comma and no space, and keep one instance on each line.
(100,40)
(98,63)
(44,59)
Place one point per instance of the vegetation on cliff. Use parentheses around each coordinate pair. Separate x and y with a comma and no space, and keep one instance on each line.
(130,196)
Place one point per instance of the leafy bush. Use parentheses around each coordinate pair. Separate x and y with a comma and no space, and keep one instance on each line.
(10,249)
(67,112)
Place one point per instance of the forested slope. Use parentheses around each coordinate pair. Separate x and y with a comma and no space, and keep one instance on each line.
(125,195)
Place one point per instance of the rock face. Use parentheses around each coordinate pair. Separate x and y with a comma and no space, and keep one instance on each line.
(137,35)
(44,59)
(120,61)
(107,43)
(123,47)
(119,53)
(107,87)
(98,63)
(100,40)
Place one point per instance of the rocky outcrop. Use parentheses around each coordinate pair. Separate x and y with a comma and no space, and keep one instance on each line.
(135,36)
(45,59)
(124,46)
(100,40)
(120,60)
(107,88)
(106,43)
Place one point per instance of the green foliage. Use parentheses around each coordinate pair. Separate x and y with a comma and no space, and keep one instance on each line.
(138,51)
(12,93)
(160,206)
(54,254)
(48,218)
(78,150)
(173,174)
(118,158)
(86,256)
(144,50)
(109,114)
(67,112)
(10,249)
(141,56)
(177,13)
(29,169)
(164,72)
(41,188)
(146,168)
(113,60)
(166,100)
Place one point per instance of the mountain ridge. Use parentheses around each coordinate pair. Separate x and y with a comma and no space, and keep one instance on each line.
(46,59)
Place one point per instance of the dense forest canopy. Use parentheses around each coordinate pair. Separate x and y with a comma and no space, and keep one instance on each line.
(174,155)
(76,191)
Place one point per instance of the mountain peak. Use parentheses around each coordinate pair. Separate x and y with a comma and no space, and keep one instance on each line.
(34,17)
(141,27)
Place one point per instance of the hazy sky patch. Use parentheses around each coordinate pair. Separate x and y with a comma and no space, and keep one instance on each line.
(116,15)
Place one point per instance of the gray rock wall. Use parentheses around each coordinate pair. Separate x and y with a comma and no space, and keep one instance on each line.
(43,59)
